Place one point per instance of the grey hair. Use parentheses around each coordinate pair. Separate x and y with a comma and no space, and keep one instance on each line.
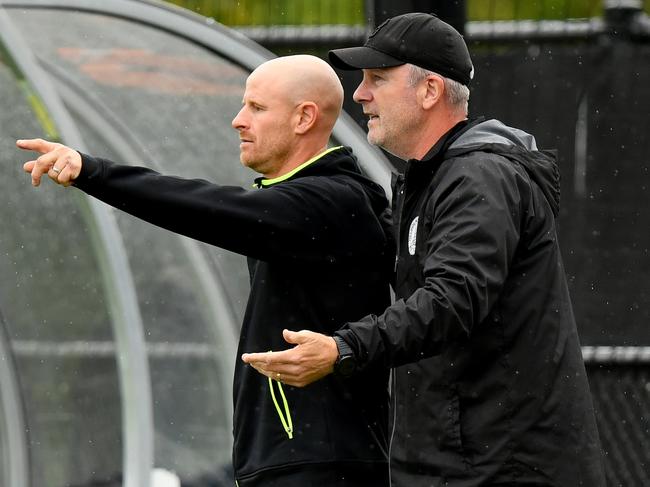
(457,93)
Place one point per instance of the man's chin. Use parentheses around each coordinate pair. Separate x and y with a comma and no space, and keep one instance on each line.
(251,164)
(374,139)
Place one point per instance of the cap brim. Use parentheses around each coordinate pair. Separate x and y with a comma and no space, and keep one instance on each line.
(361,58)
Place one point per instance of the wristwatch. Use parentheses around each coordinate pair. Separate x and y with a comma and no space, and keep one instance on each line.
(346,363)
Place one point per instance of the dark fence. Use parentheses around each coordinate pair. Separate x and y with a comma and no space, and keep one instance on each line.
(588,100)
(622,400)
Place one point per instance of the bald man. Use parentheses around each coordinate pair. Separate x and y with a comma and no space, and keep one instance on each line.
(319,252)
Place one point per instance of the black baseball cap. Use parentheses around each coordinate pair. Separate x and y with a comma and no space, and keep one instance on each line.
(416,38)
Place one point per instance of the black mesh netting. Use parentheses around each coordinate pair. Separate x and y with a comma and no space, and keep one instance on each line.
(622,400)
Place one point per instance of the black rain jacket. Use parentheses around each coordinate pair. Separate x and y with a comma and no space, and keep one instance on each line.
(489,385)
(320,253)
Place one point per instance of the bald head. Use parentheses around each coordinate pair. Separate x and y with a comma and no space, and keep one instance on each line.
(304,78)
(290,106)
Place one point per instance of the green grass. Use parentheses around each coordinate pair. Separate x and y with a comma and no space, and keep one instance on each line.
(352,12)
(279,12)
(537,9)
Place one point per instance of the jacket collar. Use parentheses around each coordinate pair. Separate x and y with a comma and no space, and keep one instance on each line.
(449,138)
(264,182)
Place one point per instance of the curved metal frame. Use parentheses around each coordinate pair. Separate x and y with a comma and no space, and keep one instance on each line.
(133,366)
(12,420)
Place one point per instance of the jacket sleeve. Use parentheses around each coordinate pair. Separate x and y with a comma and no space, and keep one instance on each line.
(475,217)
(309,218)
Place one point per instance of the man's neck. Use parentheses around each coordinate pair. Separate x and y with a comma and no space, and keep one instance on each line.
(295,159)
(430,134)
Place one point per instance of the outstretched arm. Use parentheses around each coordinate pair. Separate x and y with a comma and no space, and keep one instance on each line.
(311,359)
(61,164)
(303,219)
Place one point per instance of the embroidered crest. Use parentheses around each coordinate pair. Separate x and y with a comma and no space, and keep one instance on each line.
(413,232)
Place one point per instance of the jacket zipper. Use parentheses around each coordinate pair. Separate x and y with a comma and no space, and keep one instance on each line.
(399,204)
(393,380)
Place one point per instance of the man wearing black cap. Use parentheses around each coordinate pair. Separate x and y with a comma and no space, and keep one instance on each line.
(489,387)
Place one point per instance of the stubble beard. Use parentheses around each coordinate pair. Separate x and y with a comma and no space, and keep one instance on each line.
(383,139)
(251,162)
(377,136)
(393,137)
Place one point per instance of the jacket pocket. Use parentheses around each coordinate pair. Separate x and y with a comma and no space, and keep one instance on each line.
(430,425)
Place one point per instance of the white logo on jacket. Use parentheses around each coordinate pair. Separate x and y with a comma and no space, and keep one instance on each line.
(413,232)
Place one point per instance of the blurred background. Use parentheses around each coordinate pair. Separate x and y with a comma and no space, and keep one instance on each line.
(117,339)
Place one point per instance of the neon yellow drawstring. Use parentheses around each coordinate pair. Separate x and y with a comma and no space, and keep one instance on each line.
(286,423)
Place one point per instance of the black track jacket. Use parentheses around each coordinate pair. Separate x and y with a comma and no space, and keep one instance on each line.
(490,386)
(320,253)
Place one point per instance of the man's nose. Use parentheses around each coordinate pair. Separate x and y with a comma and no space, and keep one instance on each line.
(238,123)
(361,94)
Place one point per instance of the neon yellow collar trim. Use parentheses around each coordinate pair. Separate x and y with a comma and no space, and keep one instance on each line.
(269,182)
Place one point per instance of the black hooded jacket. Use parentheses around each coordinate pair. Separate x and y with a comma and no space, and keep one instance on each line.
(489,385)
(320,253)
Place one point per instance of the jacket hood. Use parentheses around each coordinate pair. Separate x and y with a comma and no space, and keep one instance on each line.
(343,161)
(518,146)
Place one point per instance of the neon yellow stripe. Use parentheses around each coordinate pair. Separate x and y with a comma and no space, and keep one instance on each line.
(40,111)
(32,98)
(269,182)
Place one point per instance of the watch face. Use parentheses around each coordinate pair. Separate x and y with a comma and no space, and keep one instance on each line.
(345,366)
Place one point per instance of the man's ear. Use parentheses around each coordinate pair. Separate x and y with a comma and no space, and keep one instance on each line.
(432,92)
(306,115)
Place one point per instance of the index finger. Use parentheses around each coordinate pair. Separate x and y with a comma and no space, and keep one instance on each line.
(37,145)
(268,358)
